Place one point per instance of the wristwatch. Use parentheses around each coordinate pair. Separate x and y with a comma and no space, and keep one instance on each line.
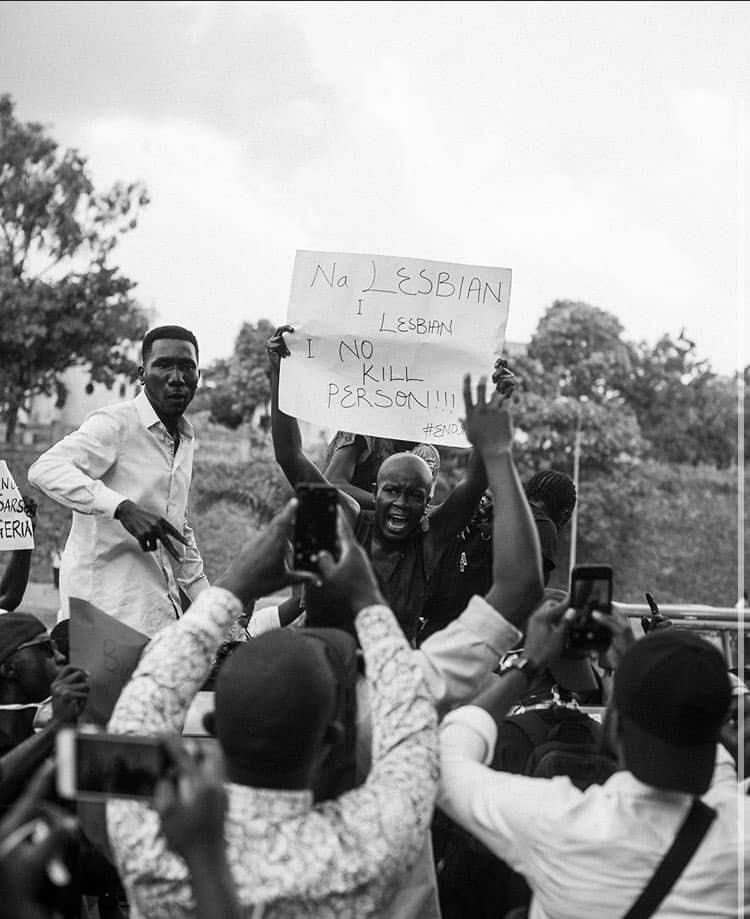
(529,670)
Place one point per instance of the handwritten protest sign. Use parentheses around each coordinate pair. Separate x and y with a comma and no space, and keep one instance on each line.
(108,649)
(16,531)
(381,344)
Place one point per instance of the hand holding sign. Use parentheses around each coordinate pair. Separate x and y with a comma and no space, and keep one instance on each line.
(377,341)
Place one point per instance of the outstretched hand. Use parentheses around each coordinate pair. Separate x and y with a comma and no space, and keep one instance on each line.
(351,578)
(488,424)
(149,528)
(260,566)
(618,624)
(276,347)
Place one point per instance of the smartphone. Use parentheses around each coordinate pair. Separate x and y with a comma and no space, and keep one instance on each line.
(590,589)
(315,527)
(95,766)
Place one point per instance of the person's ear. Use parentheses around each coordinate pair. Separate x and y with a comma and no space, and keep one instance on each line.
(141,374)
(209,723)
(334,733)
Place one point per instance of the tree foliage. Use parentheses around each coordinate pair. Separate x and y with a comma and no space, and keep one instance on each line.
(62,301)
(237,386)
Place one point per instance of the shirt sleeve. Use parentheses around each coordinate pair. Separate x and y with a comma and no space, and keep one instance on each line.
(263,620)
(383,823)
(70,471)
(503,811)
(456,660)
(192,578)
(172,669)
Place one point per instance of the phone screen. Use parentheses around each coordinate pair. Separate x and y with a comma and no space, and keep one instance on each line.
(315,526)
(96,766)
(590,589)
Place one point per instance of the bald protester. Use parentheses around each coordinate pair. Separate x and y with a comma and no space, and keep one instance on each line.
(403,543)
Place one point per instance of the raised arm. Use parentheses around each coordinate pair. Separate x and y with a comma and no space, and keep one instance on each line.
(287,440)
(517,585)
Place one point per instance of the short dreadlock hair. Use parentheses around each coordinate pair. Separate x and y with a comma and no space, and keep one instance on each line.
(556,491)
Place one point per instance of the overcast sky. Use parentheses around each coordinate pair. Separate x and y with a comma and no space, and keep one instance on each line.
(592,148)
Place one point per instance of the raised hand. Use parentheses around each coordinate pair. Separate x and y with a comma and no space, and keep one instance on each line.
(276,347)
(149,528)
(488,424)
(546,631)
(503,378)
(260,566)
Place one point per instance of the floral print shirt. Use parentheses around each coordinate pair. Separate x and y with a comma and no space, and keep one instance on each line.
(289,857)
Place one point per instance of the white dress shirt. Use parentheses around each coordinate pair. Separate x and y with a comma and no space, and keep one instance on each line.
(123,452)
(590,853)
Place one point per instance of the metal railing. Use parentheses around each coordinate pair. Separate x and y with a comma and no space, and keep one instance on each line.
(725,621)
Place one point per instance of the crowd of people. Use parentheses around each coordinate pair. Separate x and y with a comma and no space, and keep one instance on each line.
(410,734)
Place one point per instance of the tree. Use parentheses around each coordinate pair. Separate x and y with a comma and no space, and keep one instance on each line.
(686,412)
(574,375)
(62,301)
(239,385)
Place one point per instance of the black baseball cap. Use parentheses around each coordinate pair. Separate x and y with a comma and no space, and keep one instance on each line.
(672,693)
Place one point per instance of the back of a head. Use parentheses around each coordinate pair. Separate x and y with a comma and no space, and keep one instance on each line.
(275,697)
(556,491)
(173,332)
(672,694)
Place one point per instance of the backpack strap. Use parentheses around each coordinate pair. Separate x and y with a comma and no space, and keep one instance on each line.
(689,837)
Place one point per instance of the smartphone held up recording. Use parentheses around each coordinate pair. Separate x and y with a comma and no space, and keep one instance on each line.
(94,766)
(315,528)
(590,591)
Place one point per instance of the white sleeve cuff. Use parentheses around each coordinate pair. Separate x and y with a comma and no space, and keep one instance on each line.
(263,620)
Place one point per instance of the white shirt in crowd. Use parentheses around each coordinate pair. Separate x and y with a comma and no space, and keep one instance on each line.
(121,452)
(590,853)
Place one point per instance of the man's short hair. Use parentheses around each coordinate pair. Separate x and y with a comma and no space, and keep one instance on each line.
(556,490)
(166,331)
(672,694)
(275,697)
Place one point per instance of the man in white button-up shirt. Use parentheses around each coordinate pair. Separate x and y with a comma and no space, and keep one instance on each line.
(125,474)
(593,852)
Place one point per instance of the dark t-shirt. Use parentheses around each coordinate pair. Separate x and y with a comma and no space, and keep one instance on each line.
(404,571)
(465,569)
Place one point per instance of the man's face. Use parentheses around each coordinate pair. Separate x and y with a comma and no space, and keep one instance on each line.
(36,664)
(170,376)
(403,489)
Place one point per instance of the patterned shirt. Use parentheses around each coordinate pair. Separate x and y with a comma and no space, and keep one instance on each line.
(121,452)
(338,858)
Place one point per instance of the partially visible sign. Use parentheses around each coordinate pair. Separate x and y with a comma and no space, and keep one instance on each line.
(109,650)
(16,531)
(381,344)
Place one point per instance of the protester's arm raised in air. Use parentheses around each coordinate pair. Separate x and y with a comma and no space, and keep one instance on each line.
(456,660)
(287,440)
(517,585)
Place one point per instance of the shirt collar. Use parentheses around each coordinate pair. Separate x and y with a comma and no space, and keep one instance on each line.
(149,417)
(624,782)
